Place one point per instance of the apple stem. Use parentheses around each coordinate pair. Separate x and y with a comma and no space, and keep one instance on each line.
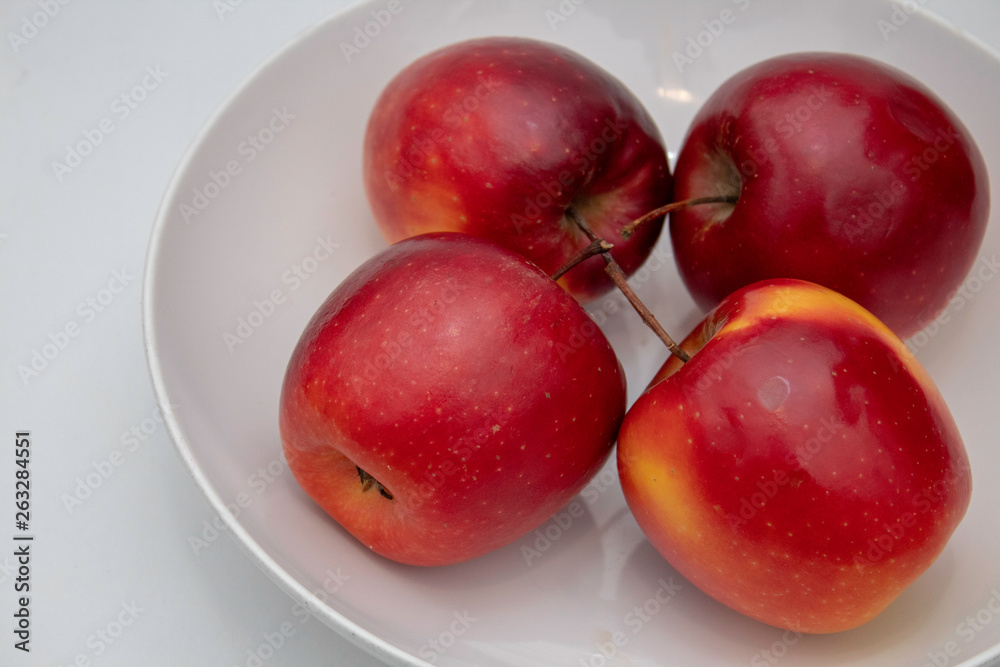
(596,247)
(630,228)
(618,276)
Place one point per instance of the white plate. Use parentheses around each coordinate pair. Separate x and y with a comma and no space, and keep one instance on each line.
(297,201)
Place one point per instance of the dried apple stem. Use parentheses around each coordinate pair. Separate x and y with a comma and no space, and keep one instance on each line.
(596,247)
(367,482)
(618,276)
(630,228)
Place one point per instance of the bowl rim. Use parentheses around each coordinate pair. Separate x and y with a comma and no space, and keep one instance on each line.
(349,629)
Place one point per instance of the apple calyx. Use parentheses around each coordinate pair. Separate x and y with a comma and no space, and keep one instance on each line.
(599,246)
(367,482)
(630,228)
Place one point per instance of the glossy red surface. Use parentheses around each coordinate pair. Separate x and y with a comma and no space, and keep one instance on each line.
(802,467)
(468,384)
(849,173)
(498,137)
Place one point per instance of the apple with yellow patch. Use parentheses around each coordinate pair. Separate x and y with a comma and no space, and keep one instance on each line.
(802,467)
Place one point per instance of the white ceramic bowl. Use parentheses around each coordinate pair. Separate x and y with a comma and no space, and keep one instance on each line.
(266,214)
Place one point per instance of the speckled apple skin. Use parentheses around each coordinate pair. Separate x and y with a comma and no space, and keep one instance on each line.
(850,173)
(474,389)
(499,136)
(802,468)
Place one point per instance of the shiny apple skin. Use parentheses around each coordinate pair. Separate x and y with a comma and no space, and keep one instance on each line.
(850,173)
(498,137)
(473,388)
(802,468)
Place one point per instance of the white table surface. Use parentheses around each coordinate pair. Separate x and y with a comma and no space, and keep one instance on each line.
(115,576)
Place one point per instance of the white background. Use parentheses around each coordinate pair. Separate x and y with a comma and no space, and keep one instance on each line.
(66,238)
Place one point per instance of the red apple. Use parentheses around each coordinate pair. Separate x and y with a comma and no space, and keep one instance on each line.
(801,468)
(500,138)
(447,398)
(848,173)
